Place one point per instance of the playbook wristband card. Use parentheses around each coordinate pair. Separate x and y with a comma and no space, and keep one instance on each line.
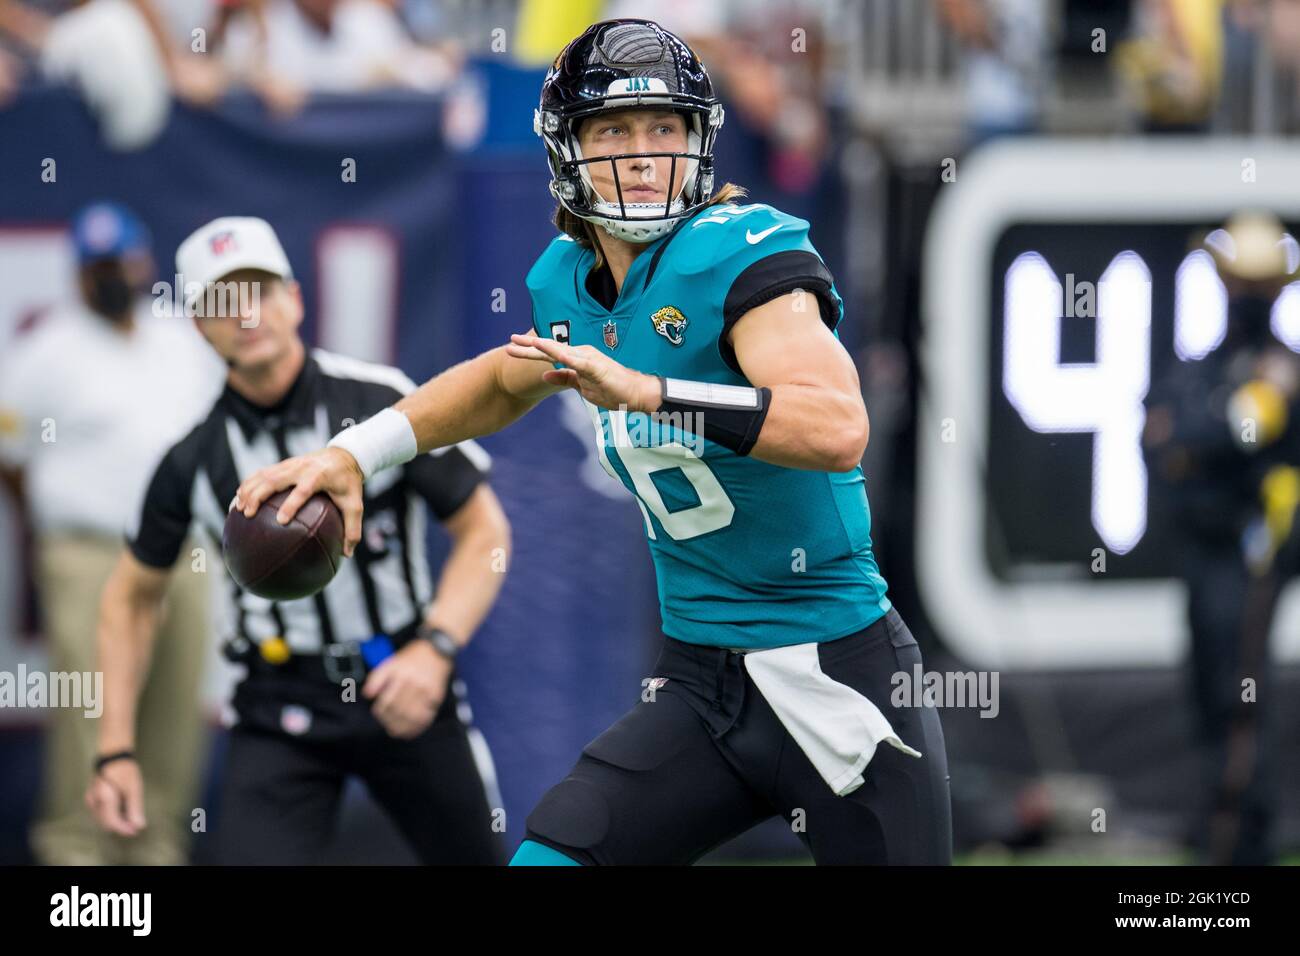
(730,415)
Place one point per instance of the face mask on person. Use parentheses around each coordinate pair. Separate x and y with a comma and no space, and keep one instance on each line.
(111,294)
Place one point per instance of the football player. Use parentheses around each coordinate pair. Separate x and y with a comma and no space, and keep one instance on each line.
(700,335)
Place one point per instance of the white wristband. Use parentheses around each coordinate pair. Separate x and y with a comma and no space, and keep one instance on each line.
(379,442)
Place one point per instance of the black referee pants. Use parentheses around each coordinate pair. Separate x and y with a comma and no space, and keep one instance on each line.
(282,792)
(707,758)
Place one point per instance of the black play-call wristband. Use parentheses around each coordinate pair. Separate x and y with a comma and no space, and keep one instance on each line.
(731,415)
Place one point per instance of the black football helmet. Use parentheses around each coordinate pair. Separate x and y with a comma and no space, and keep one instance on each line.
(614,65)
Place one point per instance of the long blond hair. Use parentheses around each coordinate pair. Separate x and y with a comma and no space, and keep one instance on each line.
(584,233)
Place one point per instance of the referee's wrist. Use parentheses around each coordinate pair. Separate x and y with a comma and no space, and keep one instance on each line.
(104,759)
(443,643)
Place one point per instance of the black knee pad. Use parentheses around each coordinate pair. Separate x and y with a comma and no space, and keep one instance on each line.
(572,814)
(609,781)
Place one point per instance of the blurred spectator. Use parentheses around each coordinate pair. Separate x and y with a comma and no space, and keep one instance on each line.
(1005,63)
(1172,63)
(227,12)
(287,48)
(117,54)
(129,57)
(106,49)
(90,397)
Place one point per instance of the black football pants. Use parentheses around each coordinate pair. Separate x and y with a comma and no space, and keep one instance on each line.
(707,758)
(281,793)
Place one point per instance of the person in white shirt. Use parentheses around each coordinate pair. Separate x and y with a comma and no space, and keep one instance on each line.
(330,46)
(90,398)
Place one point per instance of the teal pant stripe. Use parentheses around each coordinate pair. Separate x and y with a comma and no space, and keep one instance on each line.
(532,853)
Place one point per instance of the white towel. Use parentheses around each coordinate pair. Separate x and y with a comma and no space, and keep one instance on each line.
(832,723)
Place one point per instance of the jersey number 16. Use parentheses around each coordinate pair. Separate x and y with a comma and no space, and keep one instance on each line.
(714,510)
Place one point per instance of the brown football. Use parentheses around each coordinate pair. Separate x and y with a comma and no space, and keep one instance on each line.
(289,561)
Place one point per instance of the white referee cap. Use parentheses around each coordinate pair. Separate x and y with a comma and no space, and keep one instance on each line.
(224,246)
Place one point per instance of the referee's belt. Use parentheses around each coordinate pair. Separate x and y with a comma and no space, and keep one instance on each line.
(335,662)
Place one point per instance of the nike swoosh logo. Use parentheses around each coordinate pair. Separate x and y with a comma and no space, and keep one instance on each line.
(753,238)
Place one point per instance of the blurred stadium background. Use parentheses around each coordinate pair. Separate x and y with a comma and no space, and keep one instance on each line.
(933,144)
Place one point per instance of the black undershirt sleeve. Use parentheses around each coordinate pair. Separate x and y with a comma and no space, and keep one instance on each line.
(445,480)
(165,514)
(769,278)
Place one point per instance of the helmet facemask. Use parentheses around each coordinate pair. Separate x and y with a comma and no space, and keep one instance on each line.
(632,221)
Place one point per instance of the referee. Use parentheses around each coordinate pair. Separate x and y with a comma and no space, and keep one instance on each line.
(358,679)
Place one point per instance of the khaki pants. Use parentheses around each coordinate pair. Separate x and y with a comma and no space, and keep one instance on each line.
(71,571)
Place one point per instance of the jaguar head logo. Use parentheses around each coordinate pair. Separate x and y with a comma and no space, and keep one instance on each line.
(670,323)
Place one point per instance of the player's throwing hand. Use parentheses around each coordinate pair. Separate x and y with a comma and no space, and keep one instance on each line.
(596,376)
(331,470)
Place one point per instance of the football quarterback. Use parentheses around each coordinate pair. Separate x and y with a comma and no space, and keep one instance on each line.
(700,334)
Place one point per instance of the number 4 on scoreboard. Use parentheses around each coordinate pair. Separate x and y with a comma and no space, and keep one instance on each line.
(1103,397)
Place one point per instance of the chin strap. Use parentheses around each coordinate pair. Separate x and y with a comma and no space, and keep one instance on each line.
(631,231)
(634,230)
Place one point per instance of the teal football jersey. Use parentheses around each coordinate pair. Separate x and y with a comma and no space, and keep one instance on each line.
(747,554)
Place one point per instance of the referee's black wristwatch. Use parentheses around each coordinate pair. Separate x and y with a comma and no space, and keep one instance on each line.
(442,642)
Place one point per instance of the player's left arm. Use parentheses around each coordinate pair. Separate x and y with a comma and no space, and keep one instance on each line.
(816,418)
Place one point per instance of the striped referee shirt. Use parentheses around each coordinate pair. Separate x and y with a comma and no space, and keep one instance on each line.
(385,587)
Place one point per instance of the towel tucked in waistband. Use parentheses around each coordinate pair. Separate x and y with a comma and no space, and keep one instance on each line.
(835,726)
